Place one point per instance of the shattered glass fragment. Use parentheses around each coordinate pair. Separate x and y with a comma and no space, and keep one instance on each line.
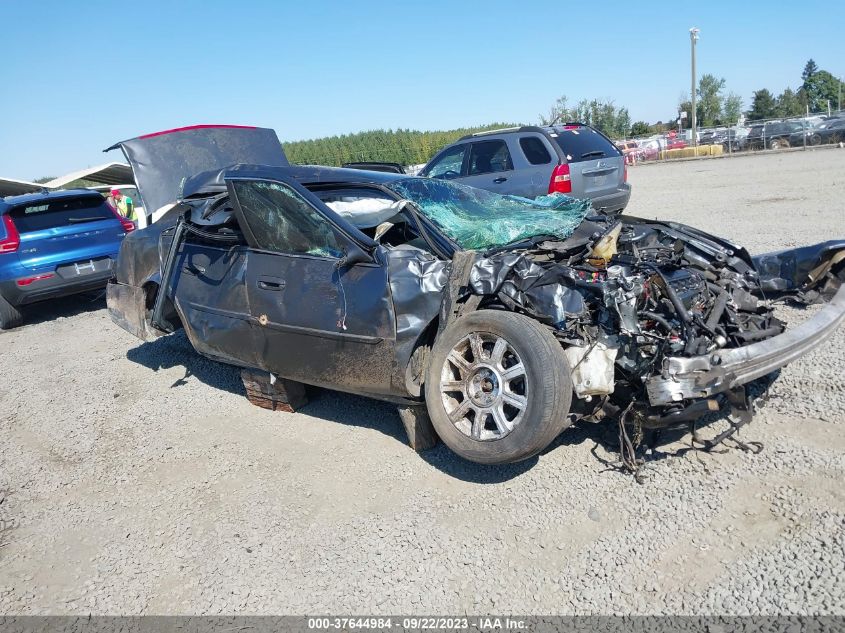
(477,219)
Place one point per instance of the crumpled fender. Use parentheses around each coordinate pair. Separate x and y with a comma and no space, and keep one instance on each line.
(799,270)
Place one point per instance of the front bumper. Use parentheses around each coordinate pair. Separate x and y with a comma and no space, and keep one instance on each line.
(704,376)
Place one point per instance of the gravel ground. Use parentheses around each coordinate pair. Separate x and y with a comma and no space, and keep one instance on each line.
(136,478)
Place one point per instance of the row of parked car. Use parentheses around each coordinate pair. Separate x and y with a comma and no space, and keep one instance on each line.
(795,133)
(810,131)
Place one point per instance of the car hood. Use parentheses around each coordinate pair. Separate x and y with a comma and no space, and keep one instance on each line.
(161,162)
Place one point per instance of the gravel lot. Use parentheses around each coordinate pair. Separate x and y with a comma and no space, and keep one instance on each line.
(136,478)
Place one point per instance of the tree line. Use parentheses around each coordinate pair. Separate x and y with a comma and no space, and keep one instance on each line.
(406,147)
(819,90)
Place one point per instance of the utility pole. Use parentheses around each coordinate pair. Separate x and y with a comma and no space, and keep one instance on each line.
(693,38)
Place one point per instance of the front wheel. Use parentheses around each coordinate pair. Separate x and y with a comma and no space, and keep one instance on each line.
(498,387)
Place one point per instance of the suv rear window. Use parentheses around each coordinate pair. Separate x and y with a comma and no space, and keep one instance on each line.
(584,143)
(50,214)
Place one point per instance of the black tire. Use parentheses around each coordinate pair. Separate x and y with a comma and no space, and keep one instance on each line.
(778,143)
(543,389)
(814,139)
(10,316)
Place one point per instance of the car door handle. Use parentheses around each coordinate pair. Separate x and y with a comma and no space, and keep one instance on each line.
(499,180)
(271,283)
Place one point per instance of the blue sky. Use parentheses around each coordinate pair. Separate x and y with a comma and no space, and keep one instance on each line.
(78,76)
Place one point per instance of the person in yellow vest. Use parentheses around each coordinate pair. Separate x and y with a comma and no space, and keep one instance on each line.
(124,204)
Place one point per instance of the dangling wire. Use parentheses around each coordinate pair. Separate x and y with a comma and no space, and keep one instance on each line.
(628,447)
(341,322)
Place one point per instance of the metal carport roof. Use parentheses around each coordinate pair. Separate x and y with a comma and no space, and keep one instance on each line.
(108,174)
(13,187)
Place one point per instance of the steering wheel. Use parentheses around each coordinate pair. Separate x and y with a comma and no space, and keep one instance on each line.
(449,173)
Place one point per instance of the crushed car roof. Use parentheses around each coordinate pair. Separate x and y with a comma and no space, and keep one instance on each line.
(211,181)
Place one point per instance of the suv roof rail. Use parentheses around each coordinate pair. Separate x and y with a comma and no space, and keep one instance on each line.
(520,128)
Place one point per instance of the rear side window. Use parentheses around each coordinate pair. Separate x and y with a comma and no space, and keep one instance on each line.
(535,151)
(448,164)
(585,143)
(488,157)
(51,214)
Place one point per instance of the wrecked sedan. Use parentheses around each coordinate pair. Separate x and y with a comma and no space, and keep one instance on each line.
(507,319)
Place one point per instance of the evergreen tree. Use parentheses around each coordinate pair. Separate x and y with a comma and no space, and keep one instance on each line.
(406,147)
(810,69)
(763,106)
(820,88)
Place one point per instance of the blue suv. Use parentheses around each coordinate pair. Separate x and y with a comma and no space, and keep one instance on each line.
(54,244)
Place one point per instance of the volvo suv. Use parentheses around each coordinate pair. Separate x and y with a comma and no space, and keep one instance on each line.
(54,244)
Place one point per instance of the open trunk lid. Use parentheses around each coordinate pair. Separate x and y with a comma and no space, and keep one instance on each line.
(162,161)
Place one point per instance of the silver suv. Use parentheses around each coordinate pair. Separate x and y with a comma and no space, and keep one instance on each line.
(532,161)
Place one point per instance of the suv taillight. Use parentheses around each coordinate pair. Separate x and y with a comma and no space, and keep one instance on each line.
(128,225)
(561,181)
(10,243)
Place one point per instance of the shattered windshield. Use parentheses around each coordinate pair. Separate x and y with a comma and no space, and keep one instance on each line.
(476,219)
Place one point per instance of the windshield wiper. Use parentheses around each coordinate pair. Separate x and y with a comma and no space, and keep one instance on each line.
(595,152)
(91,219)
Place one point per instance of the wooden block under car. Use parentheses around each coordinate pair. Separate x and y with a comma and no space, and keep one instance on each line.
(278,395)
(421,433)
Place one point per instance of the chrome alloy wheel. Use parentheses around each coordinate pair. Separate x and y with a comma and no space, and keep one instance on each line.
(484,387)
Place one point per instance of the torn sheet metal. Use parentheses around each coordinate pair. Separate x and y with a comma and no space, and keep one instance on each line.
(540,291)
(416,282)
(800,269)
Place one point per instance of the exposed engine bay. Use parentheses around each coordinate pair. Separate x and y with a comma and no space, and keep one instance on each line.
(625,296)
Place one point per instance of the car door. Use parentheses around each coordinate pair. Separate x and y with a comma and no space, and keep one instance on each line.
(320,301)
(540,158)
(490,166)
(448,164)
(209,282)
